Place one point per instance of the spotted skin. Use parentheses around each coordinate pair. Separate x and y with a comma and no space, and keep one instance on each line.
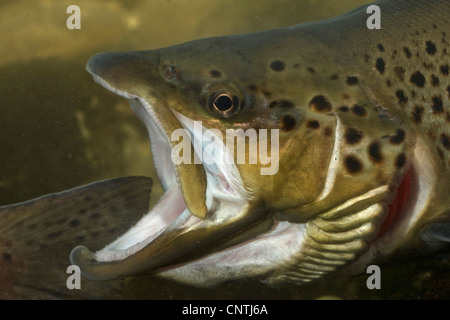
(358,110)
(406,67)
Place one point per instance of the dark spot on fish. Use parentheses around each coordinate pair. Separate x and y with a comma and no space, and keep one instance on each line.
(287,122)
(311,70)
(351,81)
(388,83)
(375,152)
(334,77)
(400,72)
(296,65)
(215,73)
(343,109)
(359,110)
(445,141)
(327,131)
(54,234)
(413,94)
(418,79)
(277,65)
(434,80)
(252,87)
(7,256)
(428,66)
(313,124)
(320,104)
(417,114)
(87,198)
(267,93)
(407,52)
(95,215)
(353,136)
(352,164)
(438,106)
(379,64)
(380,47)
(394,53)
(448,91)
(73,223)
(444,70)
(286,104)
(273,104)
(400,160)
(431,48)
(345,96)
(401,97)
(398,137)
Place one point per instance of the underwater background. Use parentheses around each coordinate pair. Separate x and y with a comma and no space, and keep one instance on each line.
(59,129)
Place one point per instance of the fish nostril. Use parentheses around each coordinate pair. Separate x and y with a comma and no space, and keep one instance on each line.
(172,73)
(168,73)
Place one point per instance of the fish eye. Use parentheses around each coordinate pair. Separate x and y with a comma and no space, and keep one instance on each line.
(223,99)
(223,102)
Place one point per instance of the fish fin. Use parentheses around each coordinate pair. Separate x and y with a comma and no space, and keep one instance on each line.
(436,237)
(37,236)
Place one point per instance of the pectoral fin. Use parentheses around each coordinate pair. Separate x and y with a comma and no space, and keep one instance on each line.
(436,237)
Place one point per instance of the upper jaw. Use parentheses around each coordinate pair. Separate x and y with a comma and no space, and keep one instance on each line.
(131,75)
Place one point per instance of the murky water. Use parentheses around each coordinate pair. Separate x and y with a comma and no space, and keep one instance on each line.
(58,129)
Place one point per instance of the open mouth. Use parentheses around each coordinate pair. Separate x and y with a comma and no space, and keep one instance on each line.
(173,242)
(208,228)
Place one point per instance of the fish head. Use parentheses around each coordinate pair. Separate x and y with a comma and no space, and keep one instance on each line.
(253,137)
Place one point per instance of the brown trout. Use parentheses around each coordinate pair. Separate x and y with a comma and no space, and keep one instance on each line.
(359,135)
(363,148)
